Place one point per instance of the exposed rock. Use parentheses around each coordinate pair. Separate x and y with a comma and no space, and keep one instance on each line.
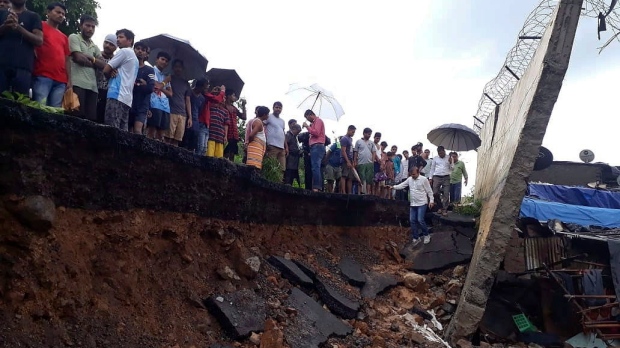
(415,282)
(313,325)
(335,301)
(273,336)
(352,271)
(249,267)
(458,271)
(227,273)
(240,313)
(291,271)
(255,338)
(376,283)
(36,212)
(463,343)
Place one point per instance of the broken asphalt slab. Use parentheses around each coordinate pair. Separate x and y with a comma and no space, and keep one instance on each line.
(352,271)
(239,313)
(454,219)
(446,249)
(313,325)
(377,283)
(291,271)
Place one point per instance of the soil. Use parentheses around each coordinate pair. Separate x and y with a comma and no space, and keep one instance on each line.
(138,278)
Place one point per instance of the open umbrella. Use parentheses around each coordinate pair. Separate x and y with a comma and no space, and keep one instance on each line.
(454,136)
(317,99)
(194,62)
(226,77)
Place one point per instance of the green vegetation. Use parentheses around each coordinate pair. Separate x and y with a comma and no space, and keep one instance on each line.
(75,9)
(469,206)
(271,170)
(23,99)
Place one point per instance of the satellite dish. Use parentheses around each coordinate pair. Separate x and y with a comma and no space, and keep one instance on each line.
(586,156)
(544,159)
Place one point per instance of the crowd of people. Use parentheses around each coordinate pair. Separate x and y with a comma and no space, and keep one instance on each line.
(115,86)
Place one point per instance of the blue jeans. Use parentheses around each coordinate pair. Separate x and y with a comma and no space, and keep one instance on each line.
(202,136)
(47,91)
(317,153)
(455,192)
(416,218)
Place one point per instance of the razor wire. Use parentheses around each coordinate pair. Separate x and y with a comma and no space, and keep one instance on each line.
(520,56)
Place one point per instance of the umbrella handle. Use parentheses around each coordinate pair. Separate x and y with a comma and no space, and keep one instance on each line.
(317,98)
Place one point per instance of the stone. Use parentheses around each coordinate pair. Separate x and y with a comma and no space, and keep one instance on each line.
(352,271)
(249,267)
(446,249)
(240,314)
(35,212)
(255,338)
(335,301)
(273,337)
(463,343)
(377,283)
(448,308)
(458,271)
(291,271)
(227,273)
(312,325)
(415,282)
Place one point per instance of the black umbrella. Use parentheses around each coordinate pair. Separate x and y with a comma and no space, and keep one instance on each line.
(194,62)
(455,137)
(226,77)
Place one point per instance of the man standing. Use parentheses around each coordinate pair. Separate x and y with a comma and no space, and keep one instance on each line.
(232,148)
(292,160)
(20,33)
(85,58)
(316,128)
(346,146)
(440,174)
(180,105)
(53,62)
(197,100)
(159,112)
(456,177)
(426,171)
(377,163)
(109,47)
(276,146)
(120,87)
(333,168)
(415,160)
(142,90)
(364,154)
(420,195)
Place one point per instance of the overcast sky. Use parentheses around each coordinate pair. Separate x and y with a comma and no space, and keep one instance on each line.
(399,67)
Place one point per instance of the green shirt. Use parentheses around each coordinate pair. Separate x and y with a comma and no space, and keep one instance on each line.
(82,76)
(458,172)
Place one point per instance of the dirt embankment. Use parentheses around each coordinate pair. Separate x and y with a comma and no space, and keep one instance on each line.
(139,278)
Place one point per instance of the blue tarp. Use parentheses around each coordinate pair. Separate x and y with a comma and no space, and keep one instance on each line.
(576,196)
(585,216)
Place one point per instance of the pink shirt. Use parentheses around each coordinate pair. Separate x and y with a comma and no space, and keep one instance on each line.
(317,132)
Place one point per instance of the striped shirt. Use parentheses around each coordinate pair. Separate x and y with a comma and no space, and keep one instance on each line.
(219,119)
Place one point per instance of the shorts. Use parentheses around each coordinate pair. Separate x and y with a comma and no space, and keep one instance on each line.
(380,178)
(277,153)
(332,173)
(366,172)
(377,168)
(215,149)
(176,130)
(136,117)
(159,120)
(232,147)
(347,173)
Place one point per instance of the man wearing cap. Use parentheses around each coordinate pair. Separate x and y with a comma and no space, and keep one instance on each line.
(109,47)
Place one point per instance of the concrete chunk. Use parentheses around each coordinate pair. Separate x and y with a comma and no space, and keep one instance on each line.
(239,313)
(335,301)
(352,271)
(377,283)
(291,271)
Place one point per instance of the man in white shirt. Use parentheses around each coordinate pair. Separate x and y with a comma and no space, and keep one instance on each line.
(122,70)
(276,145)
(420,195)
(440,178)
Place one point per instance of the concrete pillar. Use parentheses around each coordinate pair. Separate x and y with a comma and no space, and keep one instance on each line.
(506,159)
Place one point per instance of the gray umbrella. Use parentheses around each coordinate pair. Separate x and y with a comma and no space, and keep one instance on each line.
(454,136)
(194,62)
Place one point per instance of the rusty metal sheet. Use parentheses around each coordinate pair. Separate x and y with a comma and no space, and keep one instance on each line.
(543,250)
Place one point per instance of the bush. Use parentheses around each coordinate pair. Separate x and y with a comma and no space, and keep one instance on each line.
(469,207)
(271,170)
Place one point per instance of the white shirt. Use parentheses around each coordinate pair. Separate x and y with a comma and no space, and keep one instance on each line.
(120,87)
(440,166)
(275,131)
(404,169)
(419,191)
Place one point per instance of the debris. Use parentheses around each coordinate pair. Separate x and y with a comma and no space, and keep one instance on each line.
(415,282)
(240,313)
(36,212)
(291,271)
(227,273)
(376,283)
(255,338)
(352,271)
(336,302)
(446,249)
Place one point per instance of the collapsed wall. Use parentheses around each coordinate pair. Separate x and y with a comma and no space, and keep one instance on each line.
(510,142)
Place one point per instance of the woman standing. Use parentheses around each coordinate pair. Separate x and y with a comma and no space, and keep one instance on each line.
(256,142)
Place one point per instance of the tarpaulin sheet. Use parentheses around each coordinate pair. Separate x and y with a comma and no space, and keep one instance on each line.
(575,195)
(585,216)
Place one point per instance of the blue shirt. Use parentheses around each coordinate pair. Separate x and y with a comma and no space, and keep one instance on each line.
(335,159)
(120,87)
(159,100)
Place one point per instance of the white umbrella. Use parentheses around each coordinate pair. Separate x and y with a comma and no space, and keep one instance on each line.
(454,136)
(317,99)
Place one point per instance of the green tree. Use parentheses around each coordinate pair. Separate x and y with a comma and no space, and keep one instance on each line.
(75,9)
